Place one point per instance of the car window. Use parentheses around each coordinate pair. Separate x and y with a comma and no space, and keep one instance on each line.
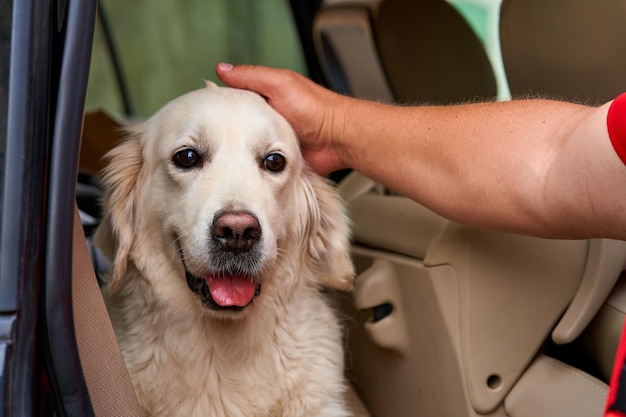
(483,16)
(168,48)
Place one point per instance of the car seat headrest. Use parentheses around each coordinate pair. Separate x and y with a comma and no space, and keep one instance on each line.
(573,51)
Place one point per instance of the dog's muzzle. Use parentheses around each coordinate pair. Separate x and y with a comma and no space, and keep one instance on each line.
(234,255)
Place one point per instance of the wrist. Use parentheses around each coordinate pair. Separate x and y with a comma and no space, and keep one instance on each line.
(339,132)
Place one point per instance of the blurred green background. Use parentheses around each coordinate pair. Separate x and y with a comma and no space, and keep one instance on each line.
(168,47)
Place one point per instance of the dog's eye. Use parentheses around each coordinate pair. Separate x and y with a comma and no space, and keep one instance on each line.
(274,162)
(186,159)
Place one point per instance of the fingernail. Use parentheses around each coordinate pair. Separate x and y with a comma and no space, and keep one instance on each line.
(225,66)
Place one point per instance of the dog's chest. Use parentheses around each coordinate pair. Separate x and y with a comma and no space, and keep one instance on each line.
(190,375)
(288,361)
(206,385)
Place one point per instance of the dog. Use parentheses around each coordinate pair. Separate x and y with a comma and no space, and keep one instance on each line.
(221,240)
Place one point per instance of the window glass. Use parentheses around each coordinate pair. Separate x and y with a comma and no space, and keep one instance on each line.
(169,47)
(483,16)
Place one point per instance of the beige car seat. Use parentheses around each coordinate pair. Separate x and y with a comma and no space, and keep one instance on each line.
(448,320)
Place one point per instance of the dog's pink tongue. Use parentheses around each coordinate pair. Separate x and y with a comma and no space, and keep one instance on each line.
(231,290)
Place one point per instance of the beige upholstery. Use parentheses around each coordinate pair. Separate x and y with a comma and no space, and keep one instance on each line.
(345,40)
(573,50)
(470,309)
(551,388)
(601,337)
(405,50)
(431,54)
(605,260)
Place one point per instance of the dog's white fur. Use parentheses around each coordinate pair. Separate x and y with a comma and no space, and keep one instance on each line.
(280,356)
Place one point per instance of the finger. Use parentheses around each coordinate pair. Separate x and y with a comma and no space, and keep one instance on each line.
(260,79)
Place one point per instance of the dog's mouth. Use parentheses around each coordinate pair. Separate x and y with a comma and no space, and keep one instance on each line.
(229,281)
(224,291)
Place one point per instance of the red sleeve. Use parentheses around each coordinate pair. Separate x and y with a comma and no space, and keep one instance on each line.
(616,401)
(616,124)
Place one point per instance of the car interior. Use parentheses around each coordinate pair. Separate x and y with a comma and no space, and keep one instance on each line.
(444,320)
(444,312)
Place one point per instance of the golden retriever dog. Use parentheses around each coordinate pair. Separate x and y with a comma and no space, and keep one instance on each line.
(221,240)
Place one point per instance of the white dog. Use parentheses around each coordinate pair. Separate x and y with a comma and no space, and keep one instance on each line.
(220,239)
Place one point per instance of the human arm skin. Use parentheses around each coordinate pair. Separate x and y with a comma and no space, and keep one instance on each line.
(539,167)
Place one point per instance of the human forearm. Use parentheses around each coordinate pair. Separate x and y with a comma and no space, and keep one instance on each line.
(517,166)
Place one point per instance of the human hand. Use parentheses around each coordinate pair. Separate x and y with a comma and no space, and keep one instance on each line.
(315,113)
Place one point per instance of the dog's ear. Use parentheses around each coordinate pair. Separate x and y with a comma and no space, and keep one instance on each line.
(115,235)
(327,236)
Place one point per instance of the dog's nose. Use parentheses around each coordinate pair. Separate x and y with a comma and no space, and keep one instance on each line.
(236,231)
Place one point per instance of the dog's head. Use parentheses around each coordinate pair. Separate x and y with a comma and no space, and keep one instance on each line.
(211,195)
